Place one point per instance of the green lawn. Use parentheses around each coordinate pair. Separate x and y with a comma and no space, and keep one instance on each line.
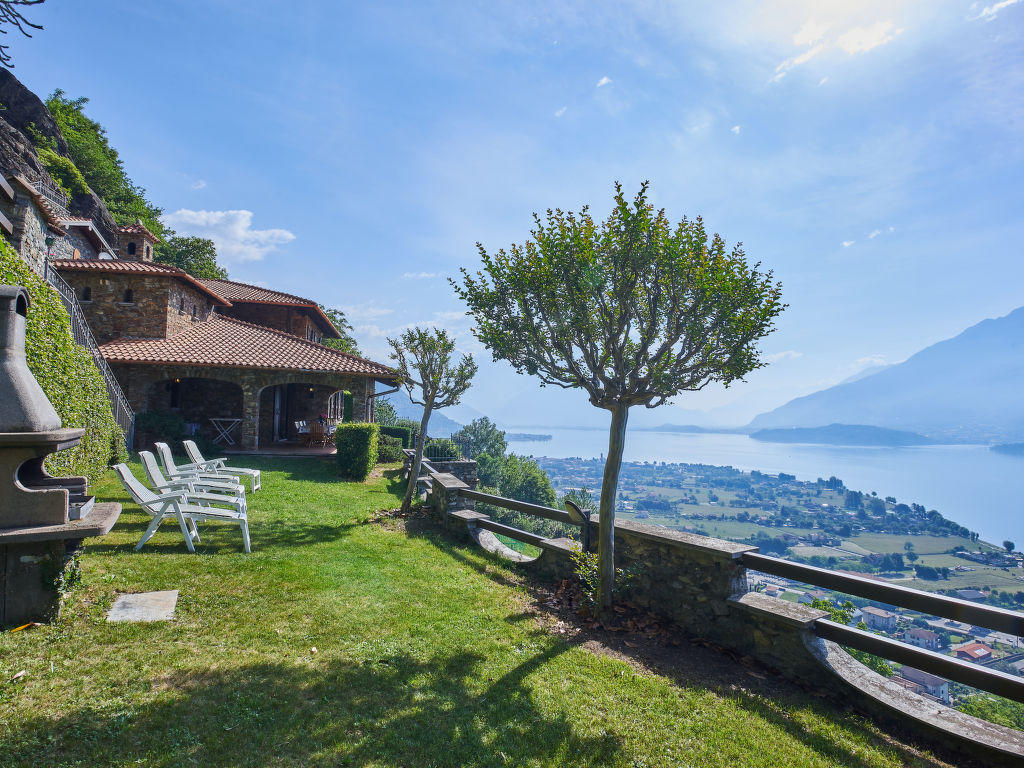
(426,654)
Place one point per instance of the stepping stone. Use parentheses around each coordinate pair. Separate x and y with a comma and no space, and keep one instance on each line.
(144,606)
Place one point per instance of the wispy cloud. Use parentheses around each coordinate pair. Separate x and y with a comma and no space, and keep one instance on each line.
(848,243)
(811,32)
(796,61)
(874,233)
(789,354)
(989,12)
(199,184)
(823,81)
(418,275)
(231,232)
(560,112)
(864,39)
(735,129)
(603,82)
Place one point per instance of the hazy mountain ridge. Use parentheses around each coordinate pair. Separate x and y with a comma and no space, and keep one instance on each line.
(963,389)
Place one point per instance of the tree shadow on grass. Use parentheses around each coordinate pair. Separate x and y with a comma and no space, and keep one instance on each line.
(393,710)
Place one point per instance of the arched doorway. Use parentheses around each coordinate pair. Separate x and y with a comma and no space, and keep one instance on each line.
(203,404)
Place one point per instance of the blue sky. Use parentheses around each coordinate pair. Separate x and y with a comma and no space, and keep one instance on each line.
(869,153)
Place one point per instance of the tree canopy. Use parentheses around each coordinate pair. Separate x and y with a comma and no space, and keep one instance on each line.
(195,255)
(425,360)
(101,166)
(633,311)
(347,342)
(481,436)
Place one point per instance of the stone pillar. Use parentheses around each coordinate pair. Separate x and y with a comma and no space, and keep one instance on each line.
(250,426)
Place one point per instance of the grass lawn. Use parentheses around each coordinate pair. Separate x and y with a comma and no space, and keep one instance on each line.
(342,642)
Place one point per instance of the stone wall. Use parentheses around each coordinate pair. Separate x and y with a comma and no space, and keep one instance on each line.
(30,230)
(110,316)
(75,246)
(699,584)
(185,307)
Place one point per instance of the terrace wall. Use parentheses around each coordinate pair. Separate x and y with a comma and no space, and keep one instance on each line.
(699,584)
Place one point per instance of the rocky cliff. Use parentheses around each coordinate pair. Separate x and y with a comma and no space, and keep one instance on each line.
(20,109)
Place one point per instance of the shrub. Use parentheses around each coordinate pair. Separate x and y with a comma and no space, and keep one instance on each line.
(357,449)
(413,426)
(441,448)
(390,450)
(67,374)
(404,434)
(165,426)
(348,416)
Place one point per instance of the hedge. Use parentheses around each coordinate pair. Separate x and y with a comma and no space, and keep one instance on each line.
(348,414)
(402,433)
(67,374)
(390,450)
(357,449)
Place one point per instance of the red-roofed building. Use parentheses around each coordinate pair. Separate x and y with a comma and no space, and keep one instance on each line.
(214,351)
(977,652)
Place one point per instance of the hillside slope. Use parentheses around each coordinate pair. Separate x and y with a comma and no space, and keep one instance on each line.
(963,389)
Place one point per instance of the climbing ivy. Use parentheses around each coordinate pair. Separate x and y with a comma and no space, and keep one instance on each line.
(67,374)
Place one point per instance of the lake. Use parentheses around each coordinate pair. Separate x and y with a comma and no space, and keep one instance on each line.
(976,487)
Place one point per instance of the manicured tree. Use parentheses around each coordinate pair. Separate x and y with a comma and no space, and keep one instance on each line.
(633,311)
(425,361)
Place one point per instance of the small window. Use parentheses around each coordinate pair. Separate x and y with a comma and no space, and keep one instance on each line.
(87,293)
(147,251)
(181,304)
(194,312)
(129,296)
(131,249)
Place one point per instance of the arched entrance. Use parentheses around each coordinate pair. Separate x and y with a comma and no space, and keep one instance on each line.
(200,402)
(282,406)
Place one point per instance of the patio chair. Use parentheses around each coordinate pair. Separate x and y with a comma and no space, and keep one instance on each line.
(178,471)
(175,504)
(317,435)
(217,465)
(192,484)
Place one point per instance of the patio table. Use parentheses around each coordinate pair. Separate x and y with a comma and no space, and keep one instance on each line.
(224,427)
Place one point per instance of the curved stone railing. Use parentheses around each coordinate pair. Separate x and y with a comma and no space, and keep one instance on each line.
(700,584)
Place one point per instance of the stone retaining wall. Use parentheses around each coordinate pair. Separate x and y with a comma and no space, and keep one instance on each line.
(699,583)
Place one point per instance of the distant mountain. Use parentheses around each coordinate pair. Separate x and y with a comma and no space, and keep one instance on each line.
(842,434)
(964,389)
(439,426)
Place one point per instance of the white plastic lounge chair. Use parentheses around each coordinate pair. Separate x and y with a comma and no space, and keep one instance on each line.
(175,504)
(178,471)
(217,465)
(192,484)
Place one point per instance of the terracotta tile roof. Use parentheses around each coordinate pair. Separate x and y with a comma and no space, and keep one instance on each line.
(52,219)
(230,343)
(138,228)
(975,651)
(253,294)
(125,267)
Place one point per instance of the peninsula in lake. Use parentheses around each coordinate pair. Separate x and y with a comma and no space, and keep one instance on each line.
(843,434)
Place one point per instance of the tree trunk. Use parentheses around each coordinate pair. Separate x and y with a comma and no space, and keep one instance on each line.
(609,486)
(410,490)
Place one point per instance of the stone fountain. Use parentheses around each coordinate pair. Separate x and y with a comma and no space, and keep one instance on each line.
(43,519)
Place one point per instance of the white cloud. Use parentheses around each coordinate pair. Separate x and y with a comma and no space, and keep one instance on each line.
(796,61)
(363,313)
(603,81)
(869,362)
(735,129)
(823,81)
(848,243)
(874,233)
(863,39)
(789,354)
(560,112)
(810,33)
(231,232)
(989,12)
(418,275)
(199,184)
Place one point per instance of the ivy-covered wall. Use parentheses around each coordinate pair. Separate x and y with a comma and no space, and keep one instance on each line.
(67,374)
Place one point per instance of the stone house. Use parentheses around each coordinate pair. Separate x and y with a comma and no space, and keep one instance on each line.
(923,638)
(926,683)
(231,358)
(877,618)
